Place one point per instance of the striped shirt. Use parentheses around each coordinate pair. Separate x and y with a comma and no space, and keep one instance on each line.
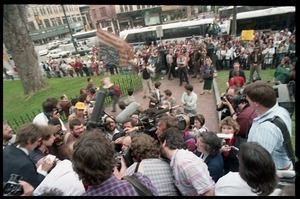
(191,174)
(160,174)
(269,135)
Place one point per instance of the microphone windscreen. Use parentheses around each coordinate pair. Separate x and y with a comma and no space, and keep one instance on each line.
(98,108)
(159,112)
(127,112)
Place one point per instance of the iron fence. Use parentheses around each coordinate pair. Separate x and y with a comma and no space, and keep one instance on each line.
(130,81)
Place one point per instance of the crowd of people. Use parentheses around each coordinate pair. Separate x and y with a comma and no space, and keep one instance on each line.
(171,152)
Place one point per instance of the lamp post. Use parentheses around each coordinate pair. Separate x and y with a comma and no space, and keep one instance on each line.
(74,44)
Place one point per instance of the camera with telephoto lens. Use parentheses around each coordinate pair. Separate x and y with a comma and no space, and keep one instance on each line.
(12,186)
(59,110)
(224,97)
(127,157)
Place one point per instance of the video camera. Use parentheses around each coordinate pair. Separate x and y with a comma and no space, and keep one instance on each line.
(239,98)
(12,186)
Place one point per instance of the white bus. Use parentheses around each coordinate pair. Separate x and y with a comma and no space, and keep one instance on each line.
(275,19)
(179,31)
(89,37)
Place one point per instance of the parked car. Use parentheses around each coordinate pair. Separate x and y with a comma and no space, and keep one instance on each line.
(43,52)
(52,45)
(57,53)
(82,50)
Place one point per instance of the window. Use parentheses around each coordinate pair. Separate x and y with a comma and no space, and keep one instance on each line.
(138,7)
(58,20)
(79,17)
(67,8)
(53,21)
(55,10)
(47,23)
(43,11)
(143,6)
(130,7)
(64,20)
(126,8)
(49,10)
(103,12)
(94,14)
(121,8)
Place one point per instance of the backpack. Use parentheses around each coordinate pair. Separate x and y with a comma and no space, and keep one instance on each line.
(117,90)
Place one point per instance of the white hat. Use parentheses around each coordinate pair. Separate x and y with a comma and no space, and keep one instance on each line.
(106,82)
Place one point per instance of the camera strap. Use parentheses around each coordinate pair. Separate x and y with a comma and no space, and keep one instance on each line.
(137,184)
(286,136)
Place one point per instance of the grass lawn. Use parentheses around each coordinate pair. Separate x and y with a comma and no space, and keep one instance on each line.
(16,105)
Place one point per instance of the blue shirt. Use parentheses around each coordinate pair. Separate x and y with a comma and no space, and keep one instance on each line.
(269,135)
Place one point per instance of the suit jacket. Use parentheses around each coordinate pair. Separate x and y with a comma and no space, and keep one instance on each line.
(16,161)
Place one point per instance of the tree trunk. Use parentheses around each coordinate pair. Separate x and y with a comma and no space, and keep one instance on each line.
(17,40)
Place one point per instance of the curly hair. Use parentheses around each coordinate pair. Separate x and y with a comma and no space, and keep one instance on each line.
(144,146)
(173,137)
(212,142)
(93,157)
(257,168)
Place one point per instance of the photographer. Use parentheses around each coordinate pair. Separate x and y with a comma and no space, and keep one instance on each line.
(145,151)
(50,110)
(226,103)
(243,114)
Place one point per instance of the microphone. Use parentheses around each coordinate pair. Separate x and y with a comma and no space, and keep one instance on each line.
(162,111)
(127,112)
(98,108)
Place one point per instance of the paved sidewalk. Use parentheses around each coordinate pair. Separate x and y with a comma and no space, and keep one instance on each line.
(206,104)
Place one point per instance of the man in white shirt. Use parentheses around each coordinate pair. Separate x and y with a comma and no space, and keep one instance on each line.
(50,110)
(189,100)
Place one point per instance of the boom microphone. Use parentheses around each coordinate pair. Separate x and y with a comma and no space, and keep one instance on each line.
(127,112)
(98,108)
(165,110)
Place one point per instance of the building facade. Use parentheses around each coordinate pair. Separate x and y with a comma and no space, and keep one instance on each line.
(48,22)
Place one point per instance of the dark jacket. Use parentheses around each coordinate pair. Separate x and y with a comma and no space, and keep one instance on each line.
(231,162)
(215,166)
(16,161)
